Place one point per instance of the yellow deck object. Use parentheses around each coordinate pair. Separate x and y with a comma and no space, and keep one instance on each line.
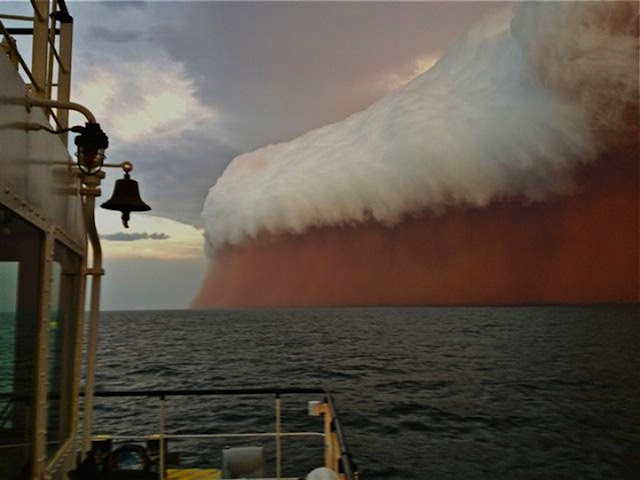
(193,474)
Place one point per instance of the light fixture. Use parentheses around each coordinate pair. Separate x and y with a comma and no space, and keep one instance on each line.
(126,196)
(91,143)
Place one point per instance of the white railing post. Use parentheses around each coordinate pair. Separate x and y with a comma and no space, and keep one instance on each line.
(278,439)
(161,436)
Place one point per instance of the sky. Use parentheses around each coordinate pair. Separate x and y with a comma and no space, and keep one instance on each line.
(181,88)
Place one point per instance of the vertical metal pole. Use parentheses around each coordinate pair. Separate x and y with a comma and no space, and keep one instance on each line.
(278,439)
(40,404)
(91,190)
(330,460)
(77,350)
(64,72)
(40,46)
(51,25)
(161,435)
(90,377)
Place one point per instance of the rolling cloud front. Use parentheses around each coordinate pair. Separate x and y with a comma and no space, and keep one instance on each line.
(513,122)
(203,82)
(514,153)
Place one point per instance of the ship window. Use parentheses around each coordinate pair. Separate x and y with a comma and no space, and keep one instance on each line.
(61,347)
(8,300)
(20,261)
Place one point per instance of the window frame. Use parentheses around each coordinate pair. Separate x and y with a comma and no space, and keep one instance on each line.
(50,237)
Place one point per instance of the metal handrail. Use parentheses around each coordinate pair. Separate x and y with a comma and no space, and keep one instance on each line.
(188,436)
(346,460)
(347,466)
(49,57)
(16,17)
(208,391)
(14,48)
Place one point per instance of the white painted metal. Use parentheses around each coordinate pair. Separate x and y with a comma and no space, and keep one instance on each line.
(40,43)
(64,75)
(38,183)
(40,414)
(30,101)
(34,178)
(91,190)
(278,439)
(8,16)
(161,436)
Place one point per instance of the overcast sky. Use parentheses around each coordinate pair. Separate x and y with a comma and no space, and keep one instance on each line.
(181,88)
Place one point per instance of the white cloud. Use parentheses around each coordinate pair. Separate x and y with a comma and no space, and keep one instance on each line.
(478,126)
(149,101)
(397,79)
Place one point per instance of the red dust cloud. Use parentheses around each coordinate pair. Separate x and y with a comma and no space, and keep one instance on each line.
(579,247)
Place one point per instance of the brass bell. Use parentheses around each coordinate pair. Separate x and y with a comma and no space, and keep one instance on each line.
(126,199)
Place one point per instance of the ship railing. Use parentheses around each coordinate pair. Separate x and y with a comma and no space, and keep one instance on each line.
(337,454)
(49,71)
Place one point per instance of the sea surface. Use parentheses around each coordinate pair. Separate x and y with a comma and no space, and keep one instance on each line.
(442,393)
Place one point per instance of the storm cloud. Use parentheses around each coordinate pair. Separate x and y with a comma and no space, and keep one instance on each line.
(523,112)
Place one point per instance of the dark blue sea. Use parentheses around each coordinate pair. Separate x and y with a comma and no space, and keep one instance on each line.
(442,393)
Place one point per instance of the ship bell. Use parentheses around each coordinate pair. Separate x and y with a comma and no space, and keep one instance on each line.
(126,199)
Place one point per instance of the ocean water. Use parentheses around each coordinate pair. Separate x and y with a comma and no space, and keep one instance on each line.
(446,393)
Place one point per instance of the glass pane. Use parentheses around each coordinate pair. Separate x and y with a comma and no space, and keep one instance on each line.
(20,260)
(61,348)
(8,305)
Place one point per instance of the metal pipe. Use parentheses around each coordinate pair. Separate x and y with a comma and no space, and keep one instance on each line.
(183,436)
(77,367)
(348,467)
(91,191)
(29,101)
(8,16)
(208,391)
(40,406)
